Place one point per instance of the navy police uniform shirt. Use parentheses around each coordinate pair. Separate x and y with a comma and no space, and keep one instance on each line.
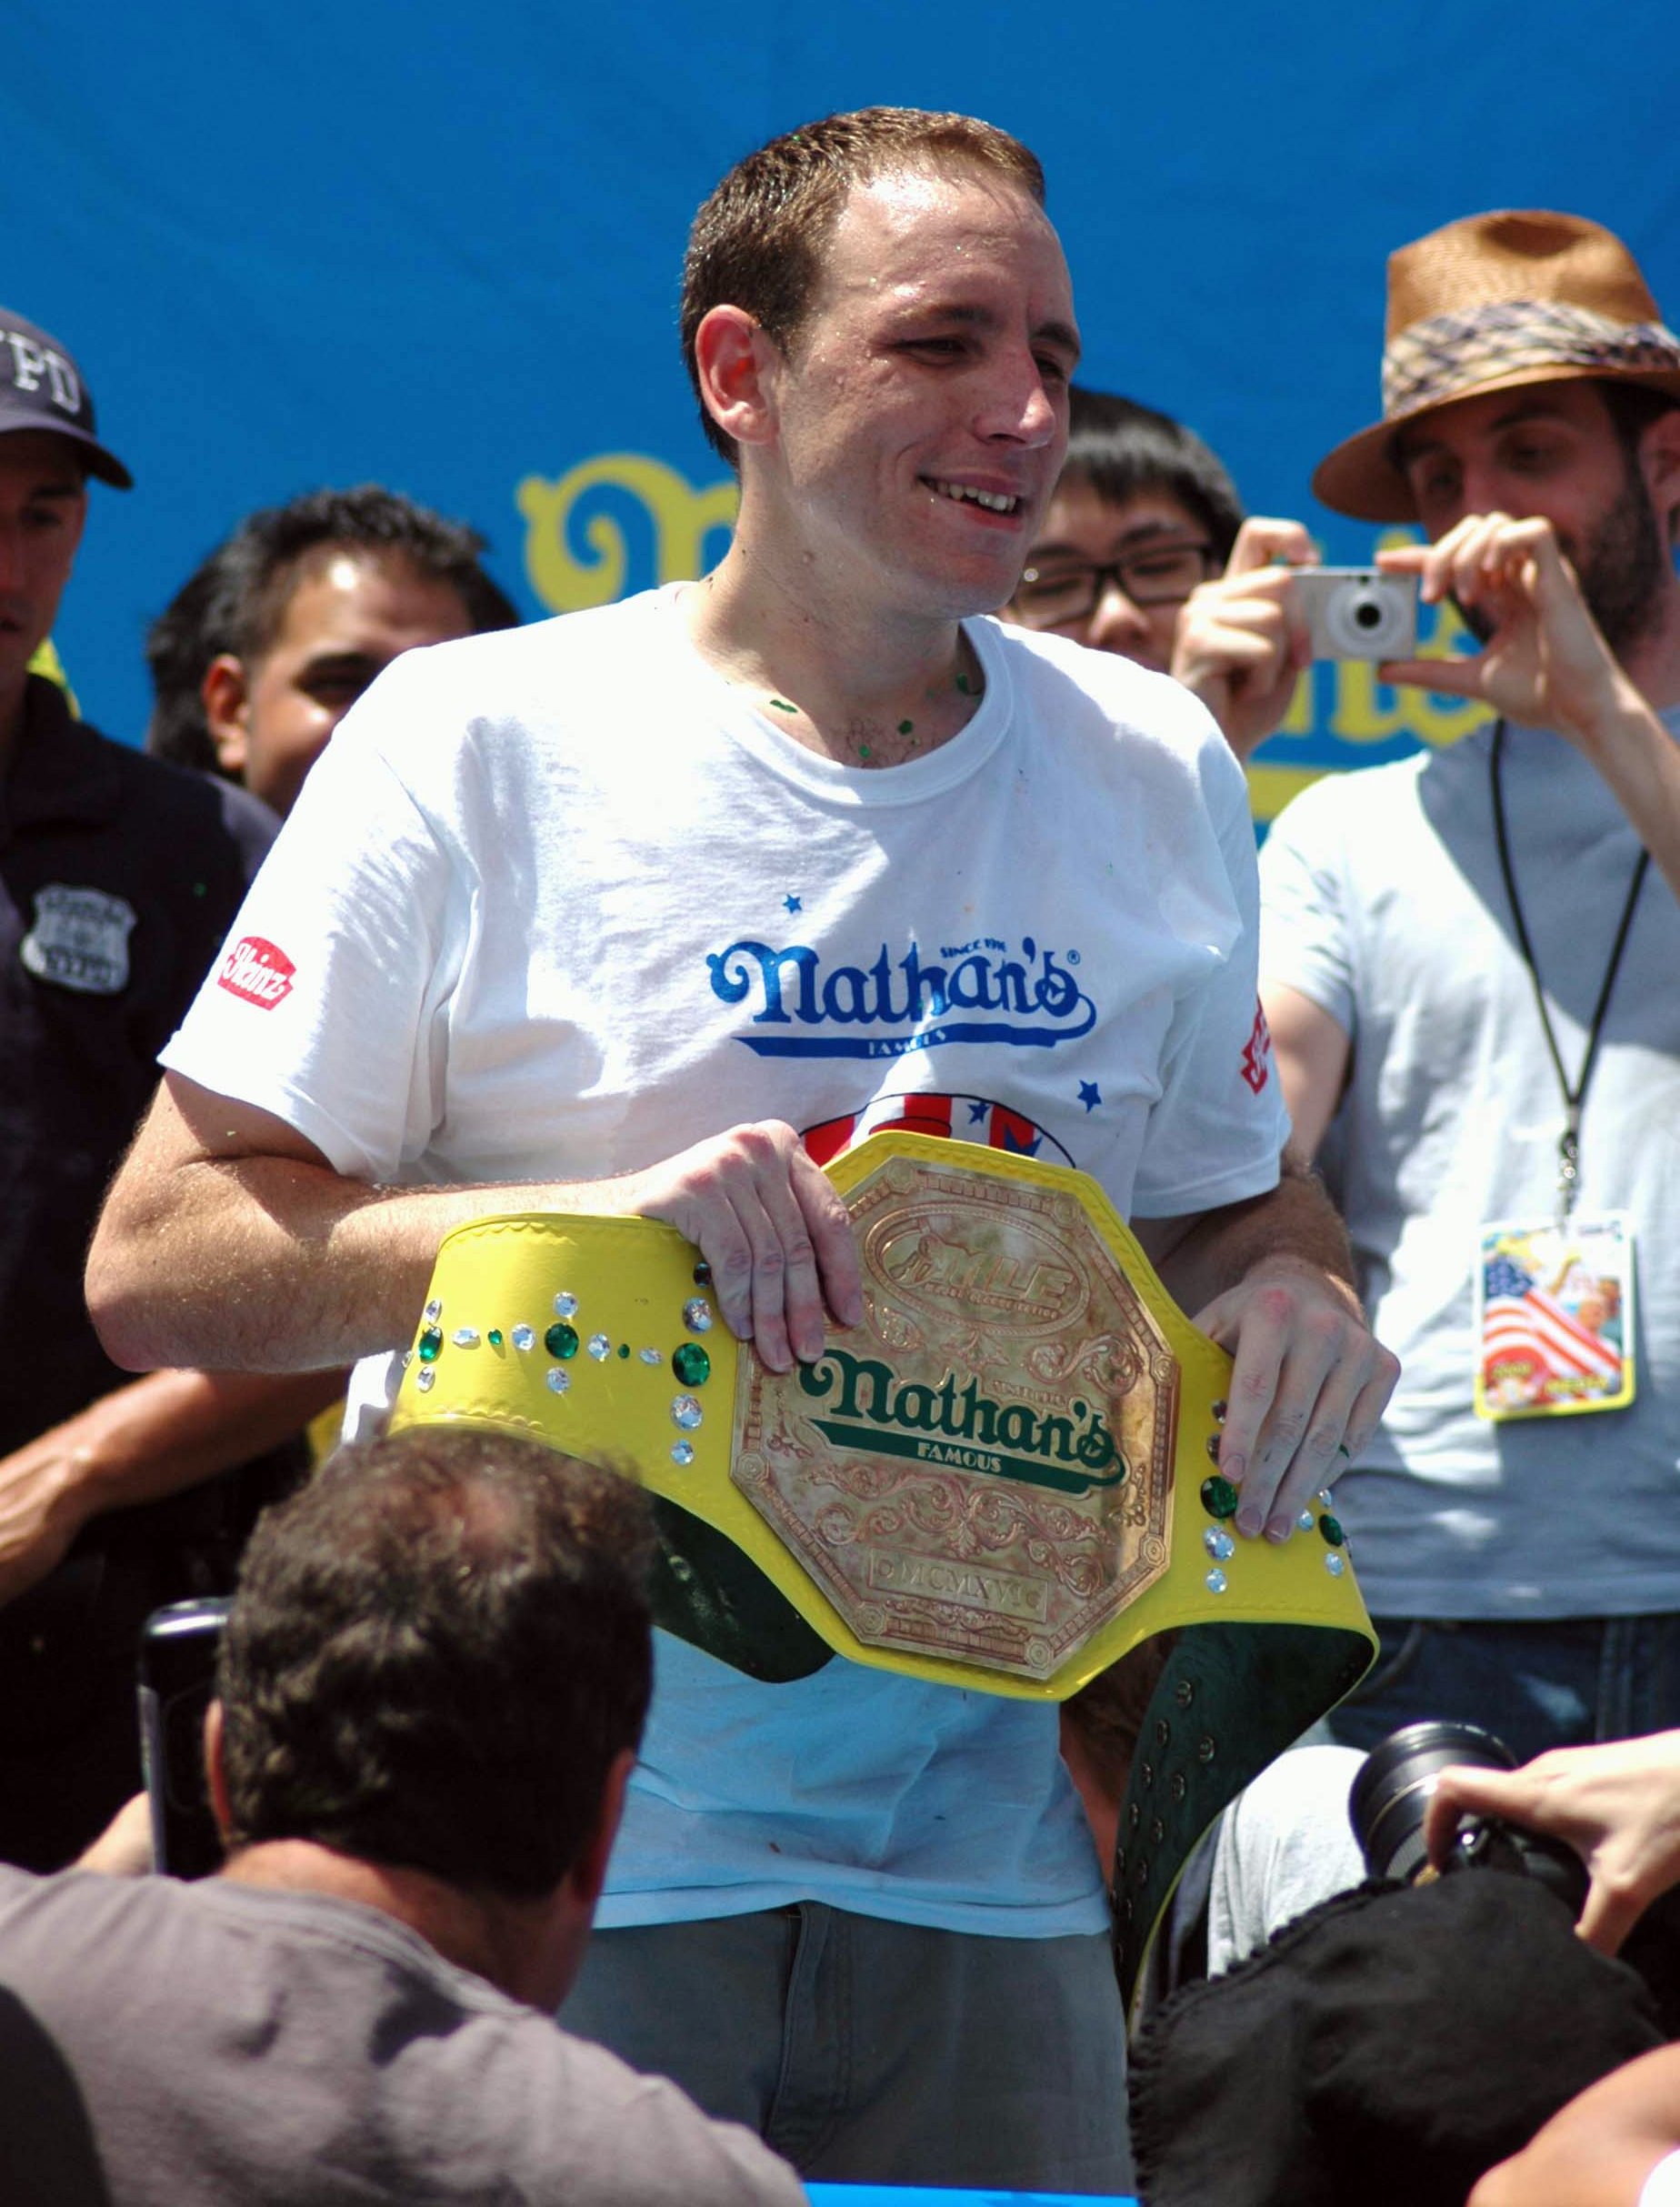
(119,876)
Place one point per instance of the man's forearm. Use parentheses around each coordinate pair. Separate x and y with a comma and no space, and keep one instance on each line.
(272,1265)
(1641,762)
(172,1429)
(1292,1222)
(162,1434)
(229,1240)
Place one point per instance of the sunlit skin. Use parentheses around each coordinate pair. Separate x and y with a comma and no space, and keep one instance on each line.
(936,358)
(1080,524)
(1544,451)
(343,624)
(1549,451)
(43,508)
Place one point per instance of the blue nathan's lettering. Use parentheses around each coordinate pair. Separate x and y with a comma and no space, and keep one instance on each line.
(871,1408)
(1029,1001)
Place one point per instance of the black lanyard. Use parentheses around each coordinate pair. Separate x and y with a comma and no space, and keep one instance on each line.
(1569,1142)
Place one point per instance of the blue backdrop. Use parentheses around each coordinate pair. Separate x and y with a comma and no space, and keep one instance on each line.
(438,246)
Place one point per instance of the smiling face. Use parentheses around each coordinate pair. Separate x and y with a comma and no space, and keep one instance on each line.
(347,618)
(43,506)
(916,430)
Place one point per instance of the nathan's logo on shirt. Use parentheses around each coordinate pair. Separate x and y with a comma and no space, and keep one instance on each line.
(79,940)
(257,970)
(1256,1051)
(871,1408)
(979,991)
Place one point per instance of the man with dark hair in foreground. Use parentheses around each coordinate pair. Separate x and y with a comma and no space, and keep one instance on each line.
(431,1690)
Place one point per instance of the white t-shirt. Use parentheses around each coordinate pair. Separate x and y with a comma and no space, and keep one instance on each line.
(558,902)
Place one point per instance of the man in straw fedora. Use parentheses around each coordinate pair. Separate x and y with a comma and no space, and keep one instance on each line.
(601,914)
(1470,957)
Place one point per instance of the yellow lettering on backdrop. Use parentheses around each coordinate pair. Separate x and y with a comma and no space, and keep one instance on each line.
(682,517)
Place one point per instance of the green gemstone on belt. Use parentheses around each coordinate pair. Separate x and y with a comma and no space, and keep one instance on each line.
(1219,1497)
(494,1337)
(561,1339)
(1331,1529)
(691,1364)
(430,1341)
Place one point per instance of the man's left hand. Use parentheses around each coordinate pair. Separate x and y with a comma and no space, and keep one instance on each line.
(1309,1384)
(1546,662)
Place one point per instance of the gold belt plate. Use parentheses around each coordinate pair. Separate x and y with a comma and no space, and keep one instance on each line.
(983,1472)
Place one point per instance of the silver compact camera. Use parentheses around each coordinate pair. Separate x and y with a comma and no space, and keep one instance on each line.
(1357,613)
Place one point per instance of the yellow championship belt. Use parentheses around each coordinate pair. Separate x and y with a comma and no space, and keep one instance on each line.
(1002,1481)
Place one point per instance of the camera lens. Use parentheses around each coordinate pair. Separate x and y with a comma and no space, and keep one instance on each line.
(1368,613)
(1390,1796)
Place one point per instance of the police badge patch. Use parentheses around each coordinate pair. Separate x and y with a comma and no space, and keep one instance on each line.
(79,940)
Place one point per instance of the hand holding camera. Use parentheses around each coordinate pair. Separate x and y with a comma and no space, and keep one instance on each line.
(1545,661)
(1404,1831)
(1617,1806)
(1239,646)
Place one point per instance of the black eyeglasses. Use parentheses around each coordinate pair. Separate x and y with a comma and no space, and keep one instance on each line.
(1154,575)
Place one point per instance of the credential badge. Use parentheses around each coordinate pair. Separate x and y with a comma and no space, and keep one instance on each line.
(79,940)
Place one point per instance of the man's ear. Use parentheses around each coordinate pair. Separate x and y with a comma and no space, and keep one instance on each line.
(227,706)
(1659,452)
(588,1874)
(735,363)
(215,1773)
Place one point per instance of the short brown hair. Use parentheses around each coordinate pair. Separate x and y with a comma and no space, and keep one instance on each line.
(757,242)
(439,1648)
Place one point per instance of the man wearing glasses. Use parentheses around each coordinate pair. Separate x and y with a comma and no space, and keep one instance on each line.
(1144,515)
(1143,512)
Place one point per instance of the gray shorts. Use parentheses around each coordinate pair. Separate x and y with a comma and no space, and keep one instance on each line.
(875,2052)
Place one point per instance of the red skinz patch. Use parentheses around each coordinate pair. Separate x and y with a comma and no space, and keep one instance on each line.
(257,970)
(1256,1051)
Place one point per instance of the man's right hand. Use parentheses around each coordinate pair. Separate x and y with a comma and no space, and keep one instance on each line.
(770,1226)
(1239,646)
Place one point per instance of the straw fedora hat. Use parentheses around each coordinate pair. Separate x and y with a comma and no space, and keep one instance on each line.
(1488,303)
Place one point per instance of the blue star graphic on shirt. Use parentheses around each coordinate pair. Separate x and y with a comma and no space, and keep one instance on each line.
(1090,1094)
(792,904)
(976,1112)
(1020,1148)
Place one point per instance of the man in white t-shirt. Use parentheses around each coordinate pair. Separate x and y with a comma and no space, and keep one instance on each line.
(652,911)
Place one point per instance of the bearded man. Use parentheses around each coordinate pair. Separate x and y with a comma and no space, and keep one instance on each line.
(1471,959)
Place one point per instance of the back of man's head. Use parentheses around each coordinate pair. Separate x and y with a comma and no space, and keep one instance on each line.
(437,1650)
(236,600)
(758,240)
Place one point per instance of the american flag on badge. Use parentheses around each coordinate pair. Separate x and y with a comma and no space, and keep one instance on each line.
(966,1119)
(1536,1354)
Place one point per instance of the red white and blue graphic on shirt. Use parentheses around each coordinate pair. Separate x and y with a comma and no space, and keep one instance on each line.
(969,1118)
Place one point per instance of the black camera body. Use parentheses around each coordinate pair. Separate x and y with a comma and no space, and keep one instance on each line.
(177,1684)
(1390,1799)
